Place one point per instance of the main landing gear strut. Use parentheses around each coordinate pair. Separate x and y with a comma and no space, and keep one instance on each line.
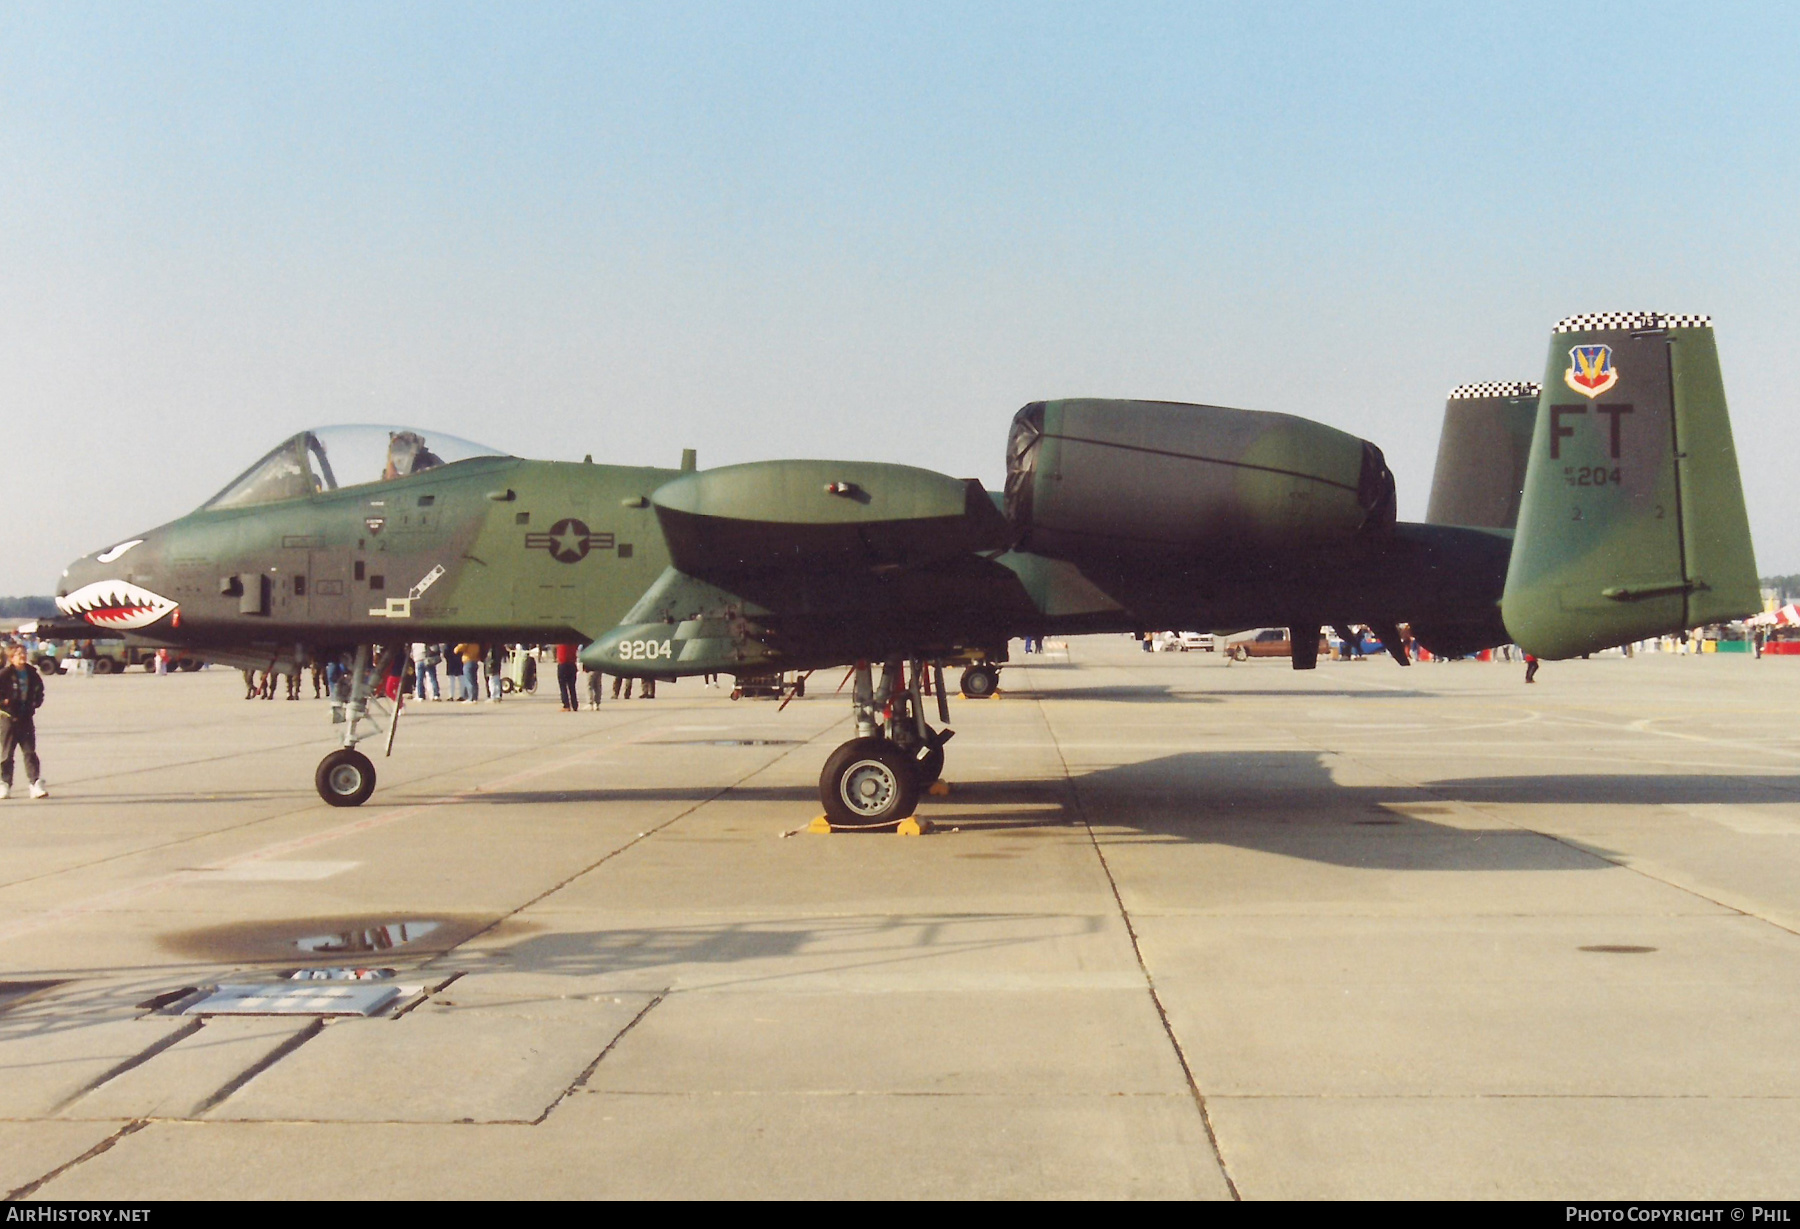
(874,780)
(346,777)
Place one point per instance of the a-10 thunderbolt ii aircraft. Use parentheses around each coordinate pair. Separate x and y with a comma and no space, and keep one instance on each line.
(1601,509)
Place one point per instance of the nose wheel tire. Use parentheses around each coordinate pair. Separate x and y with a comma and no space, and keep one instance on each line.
(868,783)
(980,682)
(345,778)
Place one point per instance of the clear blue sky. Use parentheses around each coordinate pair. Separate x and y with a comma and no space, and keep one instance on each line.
(851,230)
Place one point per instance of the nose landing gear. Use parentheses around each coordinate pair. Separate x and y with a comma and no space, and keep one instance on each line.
(346,777)
(875,779)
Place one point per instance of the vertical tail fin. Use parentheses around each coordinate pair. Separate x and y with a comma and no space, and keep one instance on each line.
(1632,521)
(1482,451)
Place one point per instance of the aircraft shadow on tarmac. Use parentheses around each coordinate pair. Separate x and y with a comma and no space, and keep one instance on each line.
(1284,802)
(834,946)
(1163,693)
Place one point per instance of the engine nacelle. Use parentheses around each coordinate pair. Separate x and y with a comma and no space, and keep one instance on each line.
(1088,479)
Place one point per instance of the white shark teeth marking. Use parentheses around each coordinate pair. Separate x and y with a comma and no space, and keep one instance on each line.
(108,556)
(116,603)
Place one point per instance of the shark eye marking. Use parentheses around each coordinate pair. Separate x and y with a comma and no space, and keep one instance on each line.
(109,555)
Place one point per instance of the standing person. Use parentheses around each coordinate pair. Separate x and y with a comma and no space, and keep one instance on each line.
(618,681)
(565,678)
(162,663)
(595,679)
(648,691)
(21,694)
(1531,665)
(496,667)
(470,654)
(425,664)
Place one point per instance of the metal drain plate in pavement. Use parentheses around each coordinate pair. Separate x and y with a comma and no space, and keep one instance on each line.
(297,999)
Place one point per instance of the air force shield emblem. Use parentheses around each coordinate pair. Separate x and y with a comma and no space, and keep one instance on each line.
(1591,371)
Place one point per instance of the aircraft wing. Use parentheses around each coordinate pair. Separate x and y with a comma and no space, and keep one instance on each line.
(793,564)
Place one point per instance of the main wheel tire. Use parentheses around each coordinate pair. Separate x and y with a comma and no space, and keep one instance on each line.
(980,682)
(530,675)
(345,778)
(868,783)
(189,665)
(149,665)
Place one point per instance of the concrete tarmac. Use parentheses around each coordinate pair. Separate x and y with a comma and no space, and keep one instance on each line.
(1186,928)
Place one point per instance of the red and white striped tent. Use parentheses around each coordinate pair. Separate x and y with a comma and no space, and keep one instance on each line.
(1787,616)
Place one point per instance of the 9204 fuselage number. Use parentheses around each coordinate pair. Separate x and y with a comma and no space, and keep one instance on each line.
(644,650)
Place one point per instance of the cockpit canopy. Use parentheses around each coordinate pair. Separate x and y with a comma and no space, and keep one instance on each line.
(335,457)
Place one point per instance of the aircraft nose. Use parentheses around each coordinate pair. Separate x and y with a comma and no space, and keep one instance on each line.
(108,589)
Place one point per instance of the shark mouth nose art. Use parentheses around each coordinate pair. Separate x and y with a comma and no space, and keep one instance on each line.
(116,603)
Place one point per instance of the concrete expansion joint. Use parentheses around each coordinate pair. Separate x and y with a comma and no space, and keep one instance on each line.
(1079,812)
(580,1082)
(30,1188)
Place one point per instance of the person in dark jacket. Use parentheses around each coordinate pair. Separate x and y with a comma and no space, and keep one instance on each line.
(21,694)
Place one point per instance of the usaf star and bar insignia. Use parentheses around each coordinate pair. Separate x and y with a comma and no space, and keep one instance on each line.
(1591,371)
(568,541)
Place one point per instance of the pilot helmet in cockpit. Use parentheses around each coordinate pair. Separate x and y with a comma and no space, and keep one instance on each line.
(407,454)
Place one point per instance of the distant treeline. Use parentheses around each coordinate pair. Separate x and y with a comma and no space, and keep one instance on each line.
(1787,586)
(27,607)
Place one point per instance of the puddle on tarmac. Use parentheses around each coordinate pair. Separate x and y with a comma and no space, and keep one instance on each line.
(327,940)
(369,939)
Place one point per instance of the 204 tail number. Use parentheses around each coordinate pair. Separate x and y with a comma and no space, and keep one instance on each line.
(1592,475)
(645,650)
